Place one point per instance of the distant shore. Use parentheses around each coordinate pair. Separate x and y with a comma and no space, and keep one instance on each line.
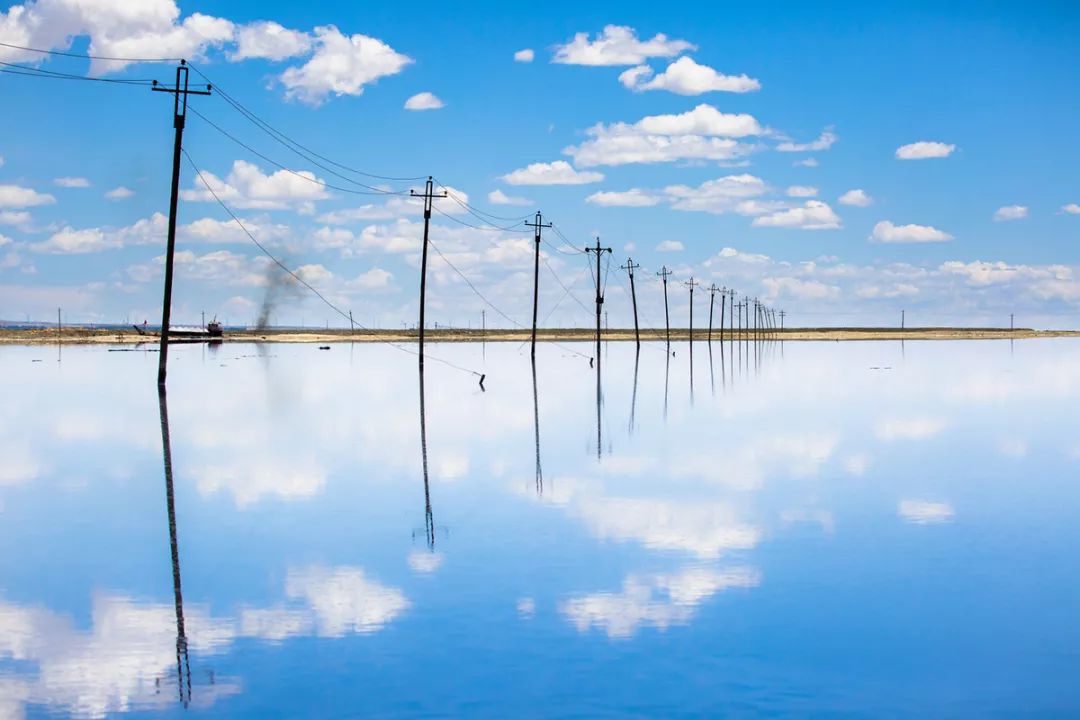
(90,336)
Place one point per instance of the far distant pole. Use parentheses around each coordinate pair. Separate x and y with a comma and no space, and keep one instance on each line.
(664,274)
(691,283)
(429,196)
(352,325)
(180,99)
(59,324)
(1011,325)
(782,315)
(629,267)
(723,298)
(902,318)
(712,302)
(538,227)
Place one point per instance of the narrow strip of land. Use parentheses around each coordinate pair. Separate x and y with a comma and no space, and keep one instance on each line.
(83,335)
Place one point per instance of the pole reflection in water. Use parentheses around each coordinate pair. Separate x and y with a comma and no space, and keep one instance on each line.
(536,427)
(633,397)
(712,371)
(691,374)
(183,667)
(429,522)
(599,395)
(667,374)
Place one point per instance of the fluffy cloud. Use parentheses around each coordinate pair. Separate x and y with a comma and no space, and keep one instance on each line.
(524,56)
(1071,209)
(70,241)
(72,182)
(886,232)
(979,273)
(269,40)
(17,218)
(498,197)
(856,197)
(559,172)
(373,279)
(670,246)
(341,65)
(424,101)
(701,133)
(807,162)
(802,191)
(617,45)
(776,287)
(686,77)
(119,193)
(924,149)
(14,196)
(824,142)
(924,512)
(814,215)
(1010,212)
(247,187)
(726,194)
(634,197)
(919,428)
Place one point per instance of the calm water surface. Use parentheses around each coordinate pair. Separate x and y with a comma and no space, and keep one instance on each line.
(858,529)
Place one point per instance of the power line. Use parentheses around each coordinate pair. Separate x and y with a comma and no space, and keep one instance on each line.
(91,57)
(491,228)
(303,282)
(475,211)
(16,69)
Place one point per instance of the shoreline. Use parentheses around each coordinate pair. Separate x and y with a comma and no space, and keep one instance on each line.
(92,336)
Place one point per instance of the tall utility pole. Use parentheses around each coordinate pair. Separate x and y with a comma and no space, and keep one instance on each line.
(731,313)
(630,267)
(429,197)
(664,274)
(599,290)
(180,99)
(902,318)
(1011,326)
(691,283)
(782,315)
(712,301)
(538,226)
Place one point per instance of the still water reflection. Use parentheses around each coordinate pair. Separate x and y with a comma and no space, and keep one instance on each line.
(814,529)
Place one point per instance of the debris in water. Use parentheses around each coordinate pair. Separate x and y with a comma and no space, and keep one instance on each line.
(324,347)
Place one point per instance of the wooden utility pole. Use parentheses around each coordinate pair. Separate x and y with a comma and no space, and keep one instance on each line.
(712,301)
(599,290)
(783,314)
(429,197)
(731,313)
(630,267)
(903,318)
(691,283)
(664,274)
(180,100)
(538,226)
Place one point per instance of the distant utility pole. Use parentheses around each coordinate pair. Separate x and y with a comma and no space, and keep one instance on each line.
(429,197)
(599,290)
(731,313)
(180,100)
(782,315)
(691,283)
(483,322)
(538,227)
(352,325)
(712,301)
(59,325)
(630,267)
(902,318)
(1011,326)
(664,274)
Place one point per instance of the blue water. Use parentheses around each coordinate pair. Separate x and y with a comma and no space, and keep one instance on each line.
(818,529)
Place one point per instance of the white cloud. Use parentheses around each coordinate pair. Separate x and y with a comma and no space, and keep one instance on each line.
(814,215)
(726,194)
(634,197)
(807,162)
(1010,212)
(980,274)
(923,149)
(341,65)
(802,191)
(799,289)
(119,193)
(269,40)
(14,217)
(686,77)
(824,142)
(918,428)
(421,561)
(559,172)
(886,232)
(424,101)
(373,279)
(72,182)
(247,187)
(924,512)
(14,196)
(70,241)
(4,240)
(498,197)
(1071,209)
(524,56)
(670,246)
(701,133)
(617,45)
(344,600)
(856,197)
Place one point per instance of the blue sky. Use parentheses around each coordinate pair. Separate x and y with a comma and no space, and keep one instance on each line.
(722,142)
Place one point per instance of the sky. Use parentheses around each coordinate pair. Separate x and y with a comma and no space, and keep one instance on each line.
(843,162)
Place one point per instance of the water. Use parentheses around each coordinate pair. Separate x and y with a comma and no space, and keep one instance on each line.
(863,529)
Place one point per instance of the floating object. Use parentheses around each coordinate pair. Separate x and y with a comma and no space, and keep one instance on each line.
(324,347)
(213,331)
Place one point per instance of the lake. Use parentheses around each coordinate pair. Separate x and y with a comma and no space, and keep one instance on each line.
(806,529)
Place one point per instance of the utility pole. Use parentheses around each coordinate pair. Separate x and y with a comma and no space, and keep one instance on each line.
(712,301)
(691,283)
(180,100)
(59,325)
(429,197)
(599,290)
(352,325)
(782,315)
(630,267)
(731,314)
(902,318)
(538,227)
(1011,326)
(664,274)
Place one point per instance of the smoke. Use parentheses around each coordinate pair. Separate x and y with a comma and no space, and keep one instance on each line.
(280,288)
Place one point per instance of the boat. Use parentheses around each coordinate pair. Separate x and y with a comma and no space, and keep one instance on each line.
(212,332)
